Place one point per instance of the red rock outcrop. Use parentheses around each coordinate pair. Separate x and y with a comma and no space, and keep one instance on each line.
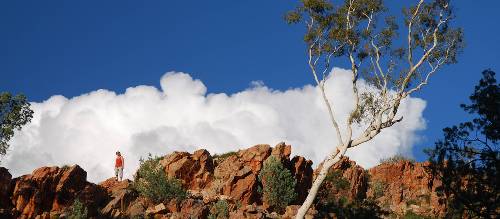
(300,168)
(250,211)
(405,185)
(49,191)
(302,171)
(237,175)
(291,211)
(355,175)
(194,170)
(52,189)
(188,208)
(5,191)
(348,171)
(122,198)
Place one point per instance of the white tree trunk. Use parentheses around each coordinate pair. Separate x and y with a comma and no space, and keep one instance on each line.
(329,162)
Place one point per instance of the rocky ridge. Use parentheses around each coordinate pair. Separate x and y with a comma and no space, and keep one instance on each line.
(395,188)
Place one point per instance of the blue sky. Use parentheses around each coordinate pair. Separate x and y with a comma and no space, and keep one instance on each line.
(74,47)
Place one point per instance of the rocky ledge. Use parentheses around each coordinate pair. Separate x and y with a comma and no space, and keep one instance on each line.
(393,188)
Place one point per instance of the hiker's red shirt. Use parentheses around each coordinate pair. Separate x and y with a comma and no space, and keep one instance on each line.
(119,161)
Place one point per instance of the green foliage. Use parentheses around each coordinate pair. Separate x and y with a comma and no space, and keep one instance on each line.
(152,182)
(354,29)
(225,155)
(335,177)
(412,202)
(220,210)
(396,159)
(278,184)
(366,208)
(77,210)
(378,188)
(15,112)
(368,36)
(467,160)
(333,191)
(485,103)
(412,215)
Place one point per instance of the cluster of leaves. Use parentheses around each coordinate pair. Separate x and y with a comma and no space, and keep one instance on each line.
(152,182)
(335,177)
(332,188)
(412,215)
(77,210)
(14,113)
(278,184)
(396,159)
(330,199)
(220,210)
(225,155)
(450,40)
(363,32)
(65,166)
(366,208)
(378,188)
(332,25)
(467,160)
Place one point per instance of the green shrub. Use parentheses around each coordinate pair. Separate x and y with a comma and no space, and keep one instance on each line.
(342,208)
(152,182)
(412,202)
(77,210)
(333,188)
(278,184)
(335,177)
(378,188)
(220,210)
(412,215)
(225,155)
(65,167)
(396,158)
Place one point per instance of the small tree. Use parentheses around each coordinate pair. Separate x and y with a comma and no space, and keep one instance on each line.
(152,182)
(396,159)
(378,188)
(15,112)
(77,210)
(467,160)
(278,184)
(220,210)
(362,32)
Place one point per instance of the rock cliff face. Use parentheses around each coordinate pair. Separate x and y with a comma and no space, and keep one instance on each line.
(405,186)
(236,175)
(6,186)
(194,170)
(355,181)
(49,191)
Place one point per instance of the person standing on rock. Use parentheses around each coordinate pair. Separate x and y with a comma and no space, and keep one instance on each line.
(119,164)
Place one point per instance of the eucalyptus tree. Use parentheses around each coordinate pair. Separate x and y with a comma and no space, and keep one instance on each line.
(395,62)
(15,112)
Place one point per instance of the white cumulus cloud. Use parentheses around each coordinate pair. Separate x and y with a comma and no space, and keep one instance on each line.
(88,129)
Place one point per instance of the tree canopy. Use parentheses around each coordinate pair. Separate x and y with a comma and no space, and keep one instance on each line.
(467,159)
(15,112)
(367,35)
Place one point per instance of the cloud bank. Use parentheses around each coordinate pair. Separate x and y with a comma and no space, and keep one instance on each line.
(181,116)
